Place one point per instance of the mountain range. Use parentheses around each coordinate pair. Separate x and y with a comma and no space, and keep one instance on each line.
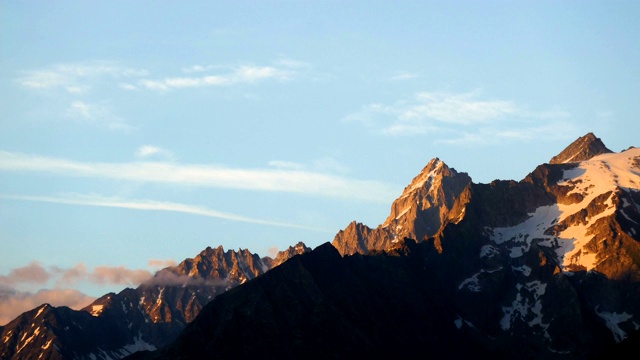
(145,318)
(547,267)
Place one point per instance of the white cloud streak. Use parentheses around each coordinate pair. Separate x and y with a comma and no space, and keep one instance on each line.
(457,108)
(101,201)
(196,175)
(404,76)
(239,75)
(76,78)
(150,151)
(441,112)
(97,114)
(487,136)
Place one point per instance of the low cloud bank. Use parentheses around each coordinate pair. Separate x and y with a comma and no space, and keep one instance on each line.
(14,302)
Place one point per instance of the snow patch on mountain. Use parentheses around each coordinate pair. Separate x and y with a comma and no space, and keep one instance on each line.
(40,311)
(613,321)
(527,306)
(47,345)
(424,178)
(590,179)
(599,175)
(518,238)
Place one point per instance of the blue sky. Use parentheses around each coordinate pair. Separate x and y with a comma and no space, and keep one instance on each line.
(135,134)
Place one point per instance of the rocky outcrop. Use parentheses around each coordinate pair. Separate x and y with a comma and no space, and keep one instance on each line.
(583,148)
(291,251)
(434,199)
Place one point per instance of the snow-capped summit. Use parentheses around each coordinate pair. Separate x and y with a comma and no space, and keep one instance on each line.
(538,259)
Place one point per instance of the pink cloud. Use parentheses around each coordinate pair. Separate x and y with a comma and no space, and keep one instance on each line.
(118,275)
(13,302)
(32,273)
(159,263)
(35,273)
(74,275)
(168,278)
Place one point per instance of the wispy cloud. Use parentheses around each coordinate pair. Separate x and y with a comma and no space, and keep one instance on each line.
(79,84)
(76,78)
(239,75)
(404,76)
(151,205)
(118,275)
(161,263)
(450,113)
(559,130)
(199,175)
(323,164)
(150,151)
(97,114)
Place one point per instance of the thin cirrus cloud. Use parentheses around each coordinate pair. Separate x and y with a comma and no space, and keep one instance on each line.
(137,204)
(150,151)
(97,114)
(81,78)
(203,175)
(76,78)
(238,75)
(546,131)
(404,76)
(430,112)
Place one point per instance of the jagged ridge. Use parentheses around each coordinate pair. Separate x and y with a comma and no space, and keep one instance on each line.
(542,268)
(145,318)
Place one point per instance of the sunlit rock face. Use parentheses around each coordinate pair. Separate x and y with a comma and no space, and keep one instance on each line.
(433,199)
(584,148)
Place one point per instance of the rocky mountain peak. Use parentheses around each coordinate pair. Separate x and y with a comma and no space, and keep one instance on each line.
(434,198)
(215,263)
(433,193)
(434,168)
(583,148)
(291,251)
